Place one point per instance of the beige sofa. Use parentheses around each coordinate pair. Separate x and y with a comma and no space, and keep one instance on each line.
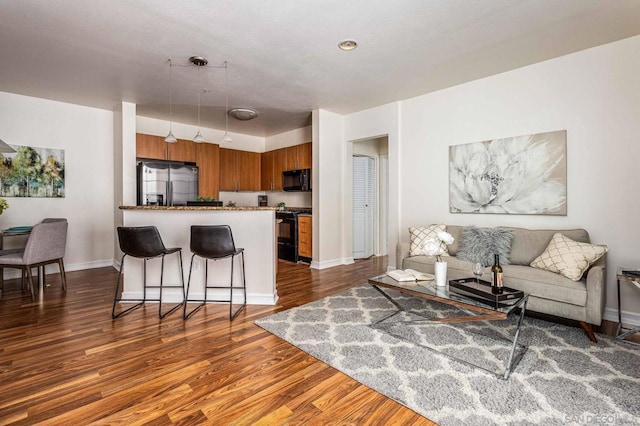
(550,293)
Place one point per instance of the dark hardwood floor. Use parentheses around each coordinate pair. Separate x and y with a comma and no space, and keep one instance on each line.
(64,361)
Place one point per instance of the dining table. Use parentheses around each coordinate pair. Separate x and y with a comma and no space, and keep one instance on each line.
(13,232)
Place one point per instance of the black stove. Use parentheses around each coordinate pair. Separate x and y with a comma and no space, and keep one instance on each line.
(288,233)
(296,210)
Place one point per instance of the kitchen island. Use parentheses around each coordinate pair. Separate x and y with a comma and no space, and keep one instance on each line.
(253,229)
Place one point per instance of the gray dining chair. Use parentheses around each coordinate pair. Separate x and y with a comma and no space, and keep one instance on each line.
(46,244)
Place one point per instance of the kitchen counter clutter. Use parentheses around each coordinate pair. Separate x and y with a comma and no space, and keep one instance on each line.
(253,229)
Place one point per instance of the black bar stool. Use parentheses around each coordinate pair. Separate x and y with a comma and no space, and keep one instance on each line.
(214,242)
(144,242)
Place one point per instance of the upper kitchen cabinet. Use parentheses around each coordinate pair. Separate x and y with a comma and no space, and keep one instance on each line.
(182,150)
(279,160)
(273,164)
(149,146)
(239,170)
(266,171)
(298,157)
(208,160)
(154,147)
(304,156)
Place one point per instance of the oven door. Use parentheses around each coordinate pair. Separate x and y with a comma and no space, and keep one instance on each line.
(287,230)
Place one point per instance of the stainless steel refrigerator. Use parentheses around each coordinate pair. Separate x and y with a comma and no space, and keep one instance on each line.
(166,183)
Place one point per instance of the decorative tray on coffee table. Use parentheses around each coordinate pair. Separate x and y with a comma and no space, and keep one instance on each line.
(481,290)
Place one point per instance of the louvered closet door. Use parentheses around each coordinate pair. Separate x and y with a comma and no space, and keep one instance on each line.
(363,206)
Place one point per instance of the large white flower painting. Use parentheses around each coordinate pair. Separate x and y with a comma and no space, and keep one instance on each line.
(519,175)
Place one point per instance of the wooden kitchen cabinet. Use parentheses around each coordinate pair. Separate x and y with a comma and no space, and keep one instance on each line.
(298,157)
(154,147)
(266,171)
(227,170)
(279,166)
(248,171)
(150,146)
(273,163)
(183,150)
(239,170)
(304,156)
(208,160)
(277,161)
(305,236)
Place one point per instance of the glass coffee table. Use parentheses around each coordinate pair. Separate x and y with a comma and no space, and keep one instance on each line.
(470,310)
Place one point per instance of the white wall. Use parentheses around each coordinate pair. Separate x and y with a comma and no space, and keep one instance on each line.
(373,123)
(329,153)
(152,126)
(86,135)
(290,138)
(594,95)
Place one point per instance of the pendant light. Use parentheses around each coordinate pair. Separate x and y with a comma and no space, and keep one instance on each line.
(170,137)
(226,137)
(198,61)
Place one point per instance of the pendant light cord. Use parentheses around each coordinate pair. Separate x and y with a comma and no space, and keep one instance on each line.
(226,103)
(170,100)
(199,99)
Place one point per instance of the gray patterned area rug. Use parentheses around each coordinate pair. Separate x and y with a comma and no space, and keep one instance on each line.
(562,378)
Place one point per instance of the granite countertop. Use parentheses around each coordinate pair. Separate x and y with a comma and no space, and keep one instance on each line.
(197,208)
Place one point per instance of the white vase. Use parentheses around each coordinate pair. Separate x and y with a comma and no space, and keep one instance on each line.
(441,274)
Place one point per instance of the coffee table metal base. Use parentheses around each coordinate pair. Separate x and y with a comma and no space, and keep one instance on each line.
(513,359)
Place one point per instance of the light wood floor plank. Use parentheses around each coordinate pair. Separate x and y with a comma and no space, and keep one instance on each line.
(63,360)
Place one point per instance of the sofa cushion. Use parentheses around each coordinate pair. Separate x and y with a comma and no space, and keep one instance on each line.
(545,285)
(456,233)
(456,268)
(418,236)
(530,243)
(568,257)
(481,244)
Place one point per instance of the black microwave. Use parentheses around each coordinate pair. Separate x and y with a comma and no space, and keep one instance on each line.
(296,180)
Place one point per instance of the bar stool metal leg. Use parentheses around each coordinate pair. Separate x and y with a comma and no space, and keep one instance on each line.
(232,314)
(186,315)
(116,299)
(244,289)
(160,314)
(215,242)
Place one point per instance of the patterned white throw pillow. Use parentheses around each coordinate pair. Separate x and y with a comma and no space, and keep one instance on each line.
(417,237)
(567,257)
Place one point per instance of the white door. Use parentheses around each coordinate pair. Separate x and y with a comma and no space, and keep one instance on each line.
(363,206)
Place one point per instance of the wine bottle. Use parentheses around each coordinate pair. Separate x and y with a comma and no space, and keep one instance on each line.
(496,276)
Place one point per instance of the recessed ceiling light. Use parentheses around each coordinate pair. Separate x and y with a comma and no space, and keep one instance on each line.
(348,44)
(243,113)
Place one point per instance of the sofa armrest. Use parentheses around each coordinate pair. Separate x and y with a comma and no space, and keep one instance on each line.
(596,288)
(402,251)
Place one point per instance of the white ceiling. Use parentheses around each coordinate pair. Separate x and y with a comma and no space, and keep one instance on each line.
(282,54)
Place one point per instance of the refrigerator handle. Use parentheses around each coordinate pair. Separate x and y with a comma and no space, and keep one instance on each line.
(169,193)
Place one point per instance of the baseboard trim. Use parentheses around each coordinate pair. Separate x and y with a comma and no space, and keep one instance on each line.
(10,273)
(174,296)
(628,318)
(331,263)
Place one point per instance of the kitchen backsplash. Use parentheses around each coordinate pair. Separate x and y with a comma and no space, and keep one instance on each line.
(246,199)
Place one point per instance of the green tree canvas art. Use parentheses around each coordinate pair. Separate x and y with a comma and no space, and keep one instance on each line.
(32,172)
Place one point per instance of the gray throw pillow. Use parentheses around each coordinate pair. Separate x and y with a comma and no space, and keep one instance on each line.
(480,244)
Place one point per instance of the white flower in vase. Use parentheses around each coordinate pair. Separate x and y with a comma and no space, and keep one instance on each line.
(437,246)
